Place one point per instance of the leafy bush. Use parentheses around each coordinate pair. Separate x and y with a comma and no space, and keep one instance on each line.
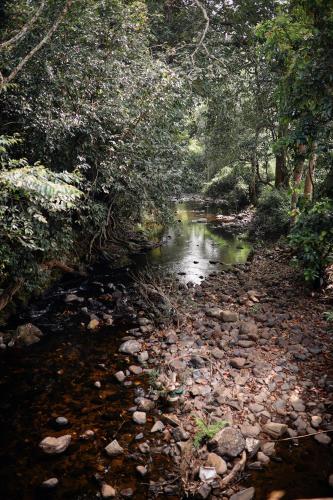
(272,215)
(312,240)
(230,185)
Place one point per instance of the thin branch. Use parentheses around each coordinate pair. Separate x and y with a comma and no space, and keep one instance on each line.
(26,59)
(25,28)
(204,33)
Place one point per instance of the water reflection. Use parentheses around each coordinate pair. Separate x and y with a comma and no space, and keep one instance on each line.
(196,245)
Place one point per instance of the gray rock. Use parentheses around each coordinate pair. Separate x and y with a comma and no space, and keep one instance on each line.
(246,343)
(249,328)
(229,442)
(237,363)
(252,445)
(251,431)
(55,445)
(262,458)
(214,312)
(61,421)
(268,448)
(323,438)
(229,316)
(204,491)
(316,421)
(143,357)
(114,449)
(130,347)
(142,470)
(158,427)
(247,494)
(145,404)
(275,430)
(140,417)
(120,376)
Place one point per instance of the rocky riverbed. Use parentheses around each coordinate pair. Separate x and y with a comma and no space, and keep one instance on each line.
(193,398)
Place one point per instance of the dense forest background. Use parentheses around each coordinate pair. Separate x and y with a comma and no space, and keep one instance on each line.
(110,107)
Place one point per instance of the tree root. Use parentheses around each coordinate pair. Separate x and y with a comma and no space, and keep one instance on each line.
(238,467)
(9,293)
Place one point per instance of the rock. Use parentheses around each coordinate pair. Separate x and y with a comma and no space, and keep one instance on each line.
(179,434)
(316,421)
(158,427)
(229,316)
(207,474)
(214,312)
(144,447)
(142,470)
(213,460)
(55,445)
(171,338)
(28,334)
(93,324)
(237,362)
(71,297)
(228,441)
(246,343)
(145,404)
(323,438)
(275,430)
(252,445)
(62,421)
(107,491)
(139,417)
(297,403)
(247,494)
(143,357)
(88,434)
(178,365)
(114,449)
(127,492)
(268,448)
(130,347)
(98,384)
(249,328)
(136,370)
(120,376)
(262,458)
(50,483)
(217,353)
(204,491)
(250,431)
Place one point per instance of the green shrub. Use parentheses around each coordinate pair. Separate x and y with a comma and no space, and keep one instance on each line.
(206,431)
(312,240)
(272,216)
(229,185)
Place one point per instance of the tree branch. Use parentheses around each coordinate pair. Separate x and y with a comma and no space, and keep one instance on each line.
(25,28)
(204,33)
(5,80)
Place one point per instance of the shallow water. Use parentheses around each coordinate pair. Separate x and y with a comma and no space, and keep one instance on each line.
(196,245)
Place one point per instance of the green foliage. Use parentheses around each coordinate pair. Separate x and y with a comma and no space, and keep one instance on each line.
(206,432)
(272,217)
(328,315)
(229,185)
(312,240)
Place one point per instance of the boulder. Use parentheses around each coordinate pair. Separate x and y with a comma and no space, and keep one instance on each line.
(55,445)
(229,442)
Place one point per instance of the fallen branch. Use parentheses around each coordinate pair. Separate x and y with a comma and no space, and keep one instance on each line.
(303,436)
(238,467)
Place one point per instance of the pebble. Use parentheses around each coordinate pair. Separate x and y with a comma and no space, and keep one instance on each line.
(316,421)
(274,429)
(247,494)
(130,347)
(120,376)
(323,438)
(142,470)
(262,458)
(114,449)
(237,362)
(158,427)
(93,324)
(139,417)
(50,483)
(98,384)
(214,460)
(107,491)
(61,421)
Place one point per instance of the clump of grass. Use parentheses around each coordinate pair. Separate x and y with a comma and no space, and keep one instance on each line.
(207,431)
(153,376)
(328,315)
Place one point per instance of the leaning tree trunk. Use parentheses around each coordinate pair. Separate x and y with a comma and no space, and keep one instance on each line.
(297,178)
(309,179)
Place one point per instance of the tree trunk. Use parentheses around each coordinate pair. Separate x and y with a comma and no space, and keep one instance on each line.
(297,177)
(308,186)
(281,171)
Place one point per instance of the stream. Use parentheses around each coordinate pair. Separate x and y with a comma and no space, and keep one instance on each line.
(57,377)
